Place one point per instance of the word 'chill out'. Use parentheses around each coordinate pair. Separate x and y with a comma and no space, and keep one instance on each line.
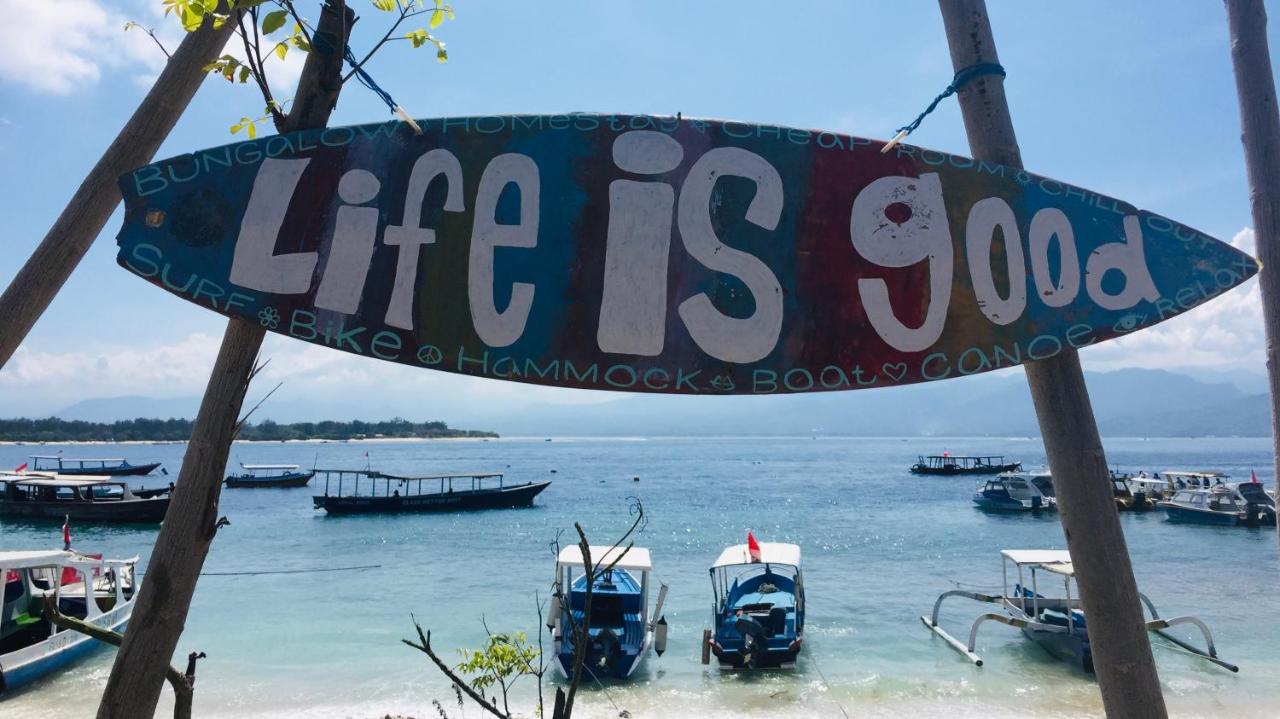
(896,222)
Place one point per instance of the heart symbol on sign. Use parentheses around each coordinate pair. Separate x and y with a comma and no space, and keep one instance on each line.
(895,371)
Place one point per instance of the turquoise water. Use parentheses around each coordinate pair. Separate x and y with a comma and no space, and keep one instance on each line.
(879,546)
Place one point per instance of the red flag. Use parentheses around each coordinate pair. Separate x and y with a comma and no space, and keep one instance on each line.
(753,547)
(1253,476)
(66,533)
(21,468)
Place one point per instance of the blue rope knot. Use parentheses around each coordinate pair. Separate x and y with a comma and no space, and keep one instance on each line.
(366,80)
(963,77)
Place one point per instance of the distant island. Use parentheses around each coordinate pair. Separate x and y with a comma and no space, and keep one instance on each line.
(142,429)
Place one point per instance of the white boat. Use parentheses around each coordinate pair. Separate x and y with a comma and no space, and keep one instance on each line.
(98,591)
(1016,492)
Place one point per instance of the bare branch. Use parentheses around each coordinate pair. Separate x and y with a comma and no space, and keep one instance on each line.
(458,682)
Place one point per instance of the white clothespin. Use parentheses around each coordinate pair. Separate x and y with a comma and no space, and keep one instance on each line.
(405,116)
(898,138)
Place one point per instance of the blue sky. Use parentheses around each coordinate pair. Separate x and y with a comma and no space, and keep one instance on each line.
(1133,100)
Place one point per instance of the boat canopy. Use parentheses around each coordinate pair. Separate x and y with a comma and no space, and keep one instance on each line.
(1196,475)
(1051,559)
(264,467)
(770,553)
(454,475)
(636,558)
(58,480)
(53,557)
(60,458)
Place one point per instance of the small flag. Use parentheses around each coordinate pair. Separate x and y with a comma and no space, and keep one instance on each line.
(66,533)
(21,468)
(753,547)
(1253,477)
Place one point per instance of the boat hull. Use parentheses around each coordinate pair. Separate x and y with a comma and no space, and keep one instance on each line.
(22,667)
(127,470)
(1070,647)
(301,479)
(950,471)
(502,498)
(1007,504)
(1188,515)
(140,511)
(768,659)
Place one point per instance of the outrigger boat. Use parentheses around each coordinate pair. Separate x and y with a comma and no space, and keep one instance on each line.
(270,475)
(947,464)
(620,629)
(388,493)
(1234,504)
(1055,623)
(84,499)
(758,615)
(113,467)
(98,591)
(1017,492)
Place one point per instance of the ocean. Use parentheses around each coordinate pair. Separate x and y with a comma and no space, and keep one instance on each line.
(878,546)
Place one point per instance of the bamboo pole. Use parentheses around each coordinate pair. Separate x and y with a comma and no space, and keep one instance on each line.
(191,521)
(46,271)
(1121,650)
(1260,134)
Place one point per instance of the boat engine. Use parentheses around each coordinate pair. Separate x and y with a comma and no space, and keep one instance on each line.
(755,640)
(606,650)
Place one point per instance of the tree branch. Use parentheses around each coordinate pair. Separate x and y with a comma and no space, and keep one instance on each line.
(458,682)
(404,15)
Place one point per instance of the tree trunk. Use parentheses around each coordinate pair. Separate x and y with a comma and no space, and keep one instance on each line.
(1260,133)
(1121,651)
(189,525)
(48,268)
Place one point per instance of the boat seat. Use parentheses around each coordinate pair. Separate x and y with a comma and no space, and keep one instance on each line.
(777,621)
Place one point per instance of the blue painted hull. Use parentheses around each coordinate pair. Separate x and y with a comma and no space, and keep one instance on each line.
(19,677)
(1003,504)
(1185,515)
(620,668)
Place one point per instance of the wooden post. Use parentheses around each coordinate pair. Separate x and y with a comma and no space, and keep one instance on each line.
(1121,650)
(66,243)
(189,525)
(1260,133)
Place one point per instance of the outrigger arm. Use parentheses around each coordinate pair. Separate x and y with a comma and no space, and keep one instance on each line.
(1158,625)
(932,623)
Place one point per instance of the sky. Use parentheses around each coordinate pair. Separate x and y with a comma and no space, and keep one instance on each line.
(1132,100)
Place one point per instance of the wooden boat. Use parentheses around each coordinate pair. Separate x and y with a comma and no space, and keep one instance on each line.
(113,467)
(1127,498)
(98,591)
(270,475)
(947,464)
(1017,492)
(758,610)
(620,629)
(1231,504)
(84,499)
(1055,623)
(387,493)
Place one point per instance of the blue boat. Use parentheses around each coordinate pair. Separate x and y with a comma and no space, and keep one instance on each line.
(758,615)
(1017,492)
(1225,505)
(98,591)
(113,467)
(618,632)
(270,475)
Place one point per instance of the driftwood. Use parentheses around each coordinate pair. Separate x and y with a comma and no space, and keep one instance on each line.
(1260,133)
(183,683)
(66,243)
(189,526)
(1121,650)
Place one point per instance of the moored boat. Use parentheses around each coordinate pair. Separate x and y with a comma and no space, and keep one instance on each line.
(1055,622)
(112,467)
(619,631)
(1230,504)
(1130,497)
(269,475)
(390,494)
(84,499)
(758,611)
(946,464)
(1017,492)
(98,591)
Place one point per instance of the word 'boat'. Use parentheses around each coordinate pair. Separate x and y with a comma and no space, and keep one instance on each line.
(1017,492)
(388,493)
(270,475)
(113,467)
(619,631)
(84,499)
(947,464)
(758,614)
(95,590)
(1055,623)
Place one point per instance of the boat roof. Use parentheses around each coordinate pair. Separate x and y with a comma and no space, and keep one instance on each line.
(1180,473)
(1050,559)
(51,557)
(76,459)
(51,479)
(268,466)
(454,475)
(770,553)
(636,558)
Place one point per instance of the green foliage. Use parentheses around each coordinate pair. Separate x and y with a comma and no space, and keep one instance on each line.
(504,659)
(158,430)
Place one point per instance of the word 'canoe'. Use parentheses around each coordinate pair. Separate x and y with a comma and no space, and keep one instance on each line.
(658,254)
(113,467)
(391,494)
(37,495)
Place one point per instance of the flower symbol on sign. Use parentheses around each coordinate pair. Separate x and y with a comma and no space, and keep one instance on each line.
(723,383)
(1129,322)
(269,317)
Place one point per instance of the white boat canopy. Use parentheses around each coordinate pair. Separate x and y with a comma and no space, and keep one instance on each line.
(770,553)
(1048,558)
(636,558)
(53,558)
(252,467)
(1197,475)
(58,480)
(60,458)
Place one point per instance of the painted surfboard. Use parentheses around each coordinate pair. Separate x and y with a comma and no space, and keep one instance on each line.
(658,254)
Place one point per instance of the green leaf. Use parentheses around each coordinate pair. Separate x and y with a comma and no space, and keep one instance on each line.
(437,17)
(385,5)
(281,50)
(441,55)
(244,73)
(253,130)
(274,21)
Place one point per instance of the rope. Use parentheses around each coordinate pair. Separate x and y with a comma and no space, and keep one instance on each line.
(367,80)
(290,571)
(814,661)
(962,78)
